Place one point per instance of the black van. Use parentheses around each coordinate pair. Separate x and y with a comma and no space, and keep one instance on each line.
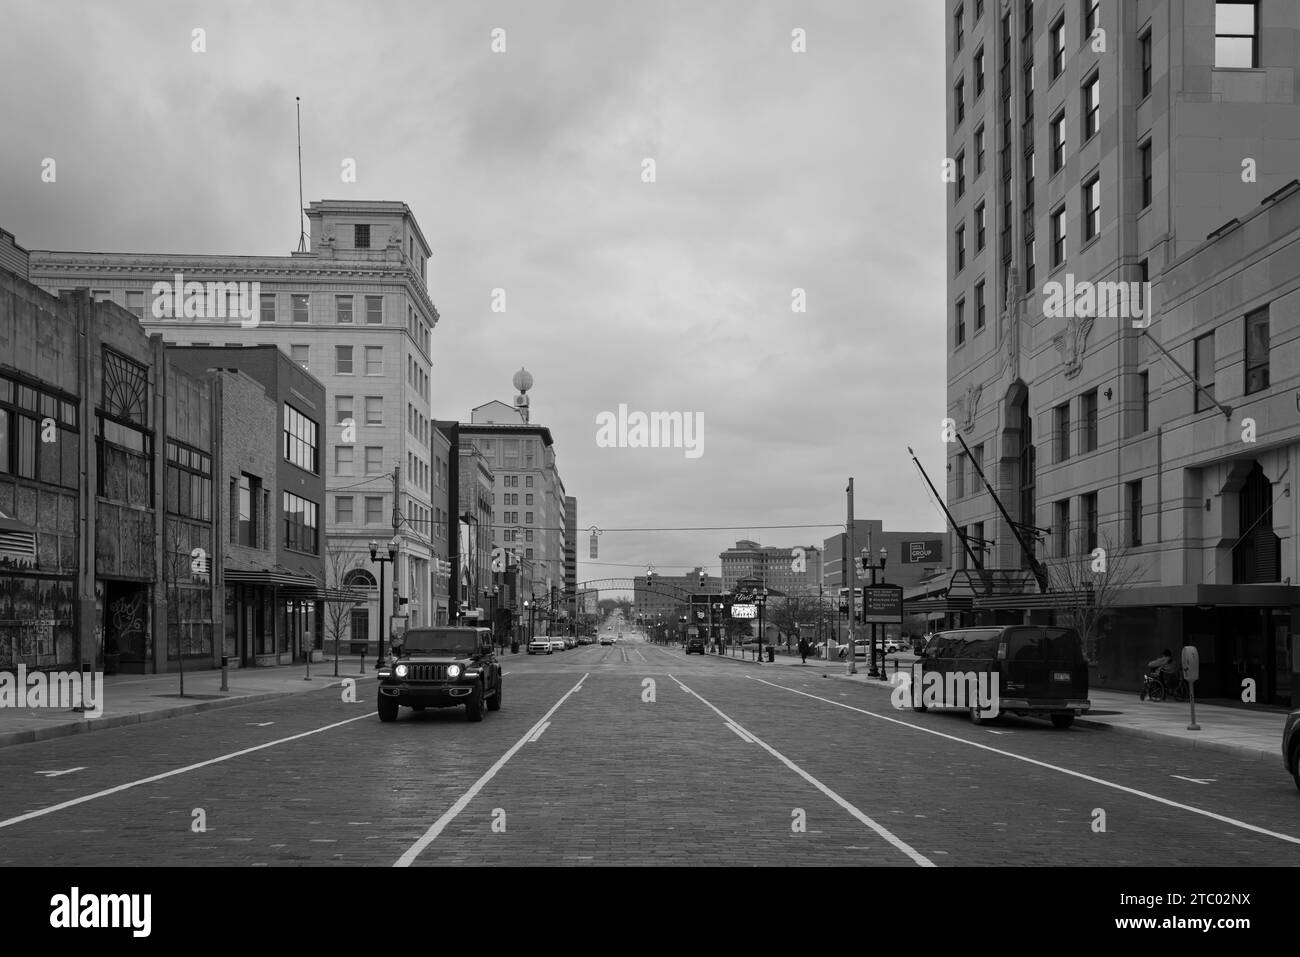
(1038,670)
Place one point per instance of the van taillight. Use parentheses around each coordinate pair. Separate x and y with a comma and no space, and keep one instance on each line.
(1002,650)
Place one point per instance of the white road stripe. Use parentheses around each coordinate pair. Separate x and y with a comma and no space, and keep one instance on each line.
(462,802)
(743,736)
(1052,767)
(540,732)
(902,845)
(41,812)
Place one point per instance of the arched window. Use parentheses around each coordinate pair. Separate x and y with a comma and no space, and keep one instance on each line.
(359,578)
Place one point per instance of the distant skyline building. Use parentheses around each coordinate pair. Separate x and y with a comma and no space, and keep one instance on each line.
(787,569)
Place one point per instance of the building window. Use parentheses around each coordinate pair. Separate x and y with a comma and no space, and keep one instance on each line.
(1135,512)
(343,360)
(300,445)
(300,524)
(361,236)
(1088,412)
(374,360)
(1061,431)
(189,481)
(980,232)
(343,510)
(299,354)
(343,308)
(1061,527)
(1058,237)
(528,518)
(1144,153)
(977,463)
(1257,350)
(135,302)
(1236,35)
(528,481)
(374,410)
(299,302)
(528,553)
(1091,106)
(958,28)
(959,101)
(961,247)
(343,458)
(1057,132)
(1144,277)
(374,509)
(1144,392)
(1058,47)
(959,321)
(374,310)
(1144,52)
(1031,262)
(1088,505)
(1091,17)
(1091,208)
(979,72)
(959,477)
(1204,371)
(267,308)
(979,306)
(374,459)
(961,174)
(979,151)
(250,497)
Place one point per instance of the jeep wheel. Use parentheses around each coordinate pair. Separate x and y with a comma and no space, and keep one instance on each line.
(474,705)
(494,702)
(387,708)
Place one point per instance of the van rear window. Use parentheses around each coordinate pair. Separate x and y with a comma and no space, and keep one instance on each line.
(1039,644)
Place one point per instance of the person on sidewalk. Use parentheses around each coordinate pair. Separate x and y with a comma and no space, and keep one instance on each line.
(803,650)
(1166,666)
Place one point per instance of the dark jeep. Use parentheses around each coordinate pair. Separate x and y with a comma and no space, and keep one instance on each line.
(441,668)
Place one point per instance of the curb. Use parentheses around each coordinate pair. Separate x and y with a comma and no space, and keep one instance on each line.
(84,726)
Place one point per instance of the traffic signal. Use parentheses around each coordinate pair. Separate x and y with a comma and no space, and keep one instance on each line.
(704,579)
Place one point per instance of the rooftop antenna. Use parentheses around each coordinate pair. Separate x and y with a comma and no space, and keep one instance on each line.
(302,226)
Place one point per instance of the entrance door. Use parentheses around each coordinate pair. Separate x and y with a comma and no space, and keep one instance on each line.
(126,619)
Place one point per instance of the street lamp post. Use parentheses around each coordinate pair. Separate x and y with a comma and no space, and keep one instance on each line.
(382,561)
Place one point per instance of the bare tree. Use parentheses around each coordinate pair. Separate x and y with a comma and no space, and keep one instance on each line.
(180,563)
(339,598)
(1089,582)
(795,608)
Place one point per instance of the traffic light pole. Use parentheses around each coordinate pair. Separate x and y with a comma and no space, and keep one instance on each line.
(851,562)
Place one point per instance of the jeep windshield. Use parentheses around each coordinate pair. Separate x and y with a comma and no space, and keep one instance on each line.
(461,641)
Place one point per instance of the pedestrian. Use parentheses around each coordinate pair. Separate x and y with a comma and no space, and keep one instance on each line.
(803,650)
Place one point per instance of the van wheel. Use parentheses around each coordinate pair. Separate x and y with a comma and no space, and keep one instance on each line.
(1062,720)
(976,718)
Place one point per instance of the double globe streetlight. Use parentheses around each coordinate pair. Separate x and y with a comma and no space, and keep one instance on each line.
(382,561)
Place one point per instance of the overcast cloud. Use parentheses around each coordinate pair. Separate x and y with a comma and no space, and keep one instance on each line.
(775,170)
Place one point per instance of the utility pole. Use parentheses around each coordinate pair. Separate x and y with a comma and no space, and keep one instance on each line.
(397,522)
(851,562)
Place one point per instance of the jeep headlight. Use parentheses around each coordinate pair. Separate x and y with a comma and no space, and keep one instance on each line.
(453,671)
(401,671)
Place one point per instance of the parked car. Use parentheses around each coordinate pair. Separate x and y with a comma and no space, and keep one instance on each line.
(1291,745)
(558,644)
(539,646)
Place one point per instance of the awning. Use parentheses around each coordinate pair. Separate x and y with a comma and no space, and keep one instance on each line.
(1037,601)
(288,582)
(938,605)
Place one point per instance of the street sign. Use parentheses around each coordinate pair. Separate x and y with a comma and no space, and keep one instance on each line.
(882,604)
(744,611)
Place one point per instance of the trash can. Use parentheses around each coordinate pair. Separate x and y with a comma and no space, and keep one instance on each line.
(771,653)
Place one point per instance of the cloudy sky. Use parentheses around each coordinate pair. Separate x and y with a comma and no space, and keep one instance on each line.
(774,170)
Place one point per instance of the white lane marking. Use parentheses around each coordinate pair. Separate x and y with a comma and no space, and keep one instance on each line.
(431,835)
(743,736)
(41,812)
(1194,780)
(902,845)
(55,774)
(991,731)
(639,655)
(1052,767)
(258,724)
(540,732)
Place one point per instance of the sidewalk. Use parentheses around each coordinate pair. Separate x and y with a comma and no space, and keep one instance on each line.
(1249,732)
(132,699)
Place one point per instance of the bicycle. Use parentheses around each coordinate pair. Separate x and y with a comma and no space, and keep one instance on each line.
(1155,687)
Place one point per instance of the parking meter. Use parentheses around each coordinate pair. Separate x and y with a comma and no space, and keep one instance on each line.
(1191,663)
